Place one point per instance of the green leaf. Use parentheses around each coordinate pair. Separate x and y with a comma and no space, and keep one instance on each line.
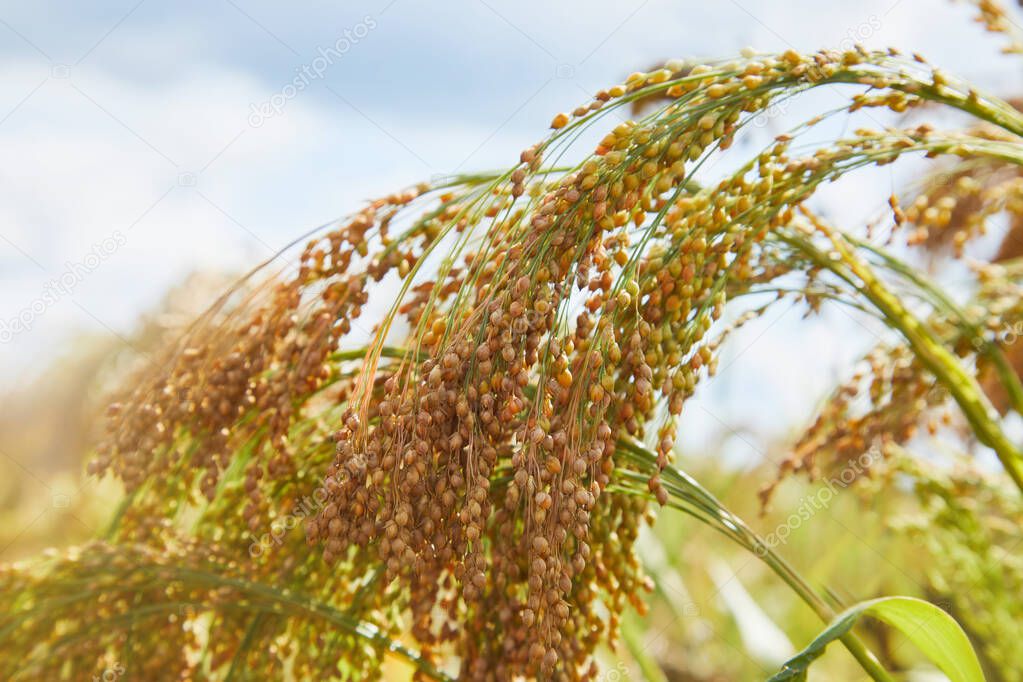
(932,630)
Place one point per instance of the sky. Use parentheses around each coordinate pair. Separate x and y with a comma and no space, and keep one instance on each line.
(144,140)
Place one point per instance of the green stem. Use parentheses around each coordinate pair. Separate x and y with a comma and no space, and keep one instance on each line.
(938,359)
(697,501)
(973,331)
(852,643)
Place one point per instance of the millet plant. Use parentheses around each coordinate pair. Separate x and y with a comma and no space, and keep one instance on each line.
(433,430)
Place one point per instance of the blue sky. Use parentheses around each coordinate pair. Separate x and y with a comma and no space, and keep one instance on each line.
(133,120)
